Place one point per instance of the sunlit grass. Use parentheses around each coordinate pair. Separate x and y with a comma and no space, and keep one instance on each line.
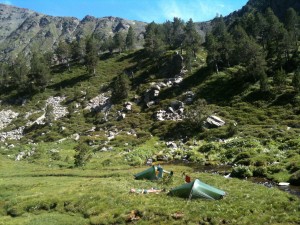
(32,194)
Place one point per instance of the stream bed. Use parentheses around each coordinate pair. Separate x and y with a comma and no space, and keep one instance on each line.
(226,170)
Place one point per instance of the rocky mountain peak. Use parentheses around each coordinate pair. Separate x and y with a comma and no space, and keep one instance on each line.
(22,29)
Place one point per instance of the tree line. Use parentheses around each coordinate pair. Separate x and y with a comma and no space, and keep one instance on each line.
(261,43)
(33,75)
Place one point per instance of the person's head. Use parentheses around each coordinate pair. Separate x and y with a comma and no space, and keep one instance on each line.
(132,190)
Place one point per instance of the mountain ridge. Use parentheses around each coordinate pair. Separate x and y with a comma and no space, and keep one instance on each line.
(23,29)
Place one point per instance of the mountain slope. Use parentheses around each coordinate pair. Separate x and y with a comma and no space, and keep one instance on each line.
(278,6)
(22,29)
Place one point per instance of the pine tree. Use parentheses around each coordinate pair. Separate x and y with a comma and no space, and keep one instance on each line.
(178,33)
(154,44)
(77,48)
(119,41)
(296,81)
(19,71)
(39,72)
(120,88)
(63,53)
(168,33)
(4,75)
(83,154)
(279,78)
(274,33)
(130,38)
(224,40)
(49,114)
(292,24)
(213,55)
(91,57)
(192,40)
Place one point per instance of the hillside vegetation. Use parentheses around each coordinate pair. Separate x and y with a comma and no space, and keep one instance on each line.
(79,122)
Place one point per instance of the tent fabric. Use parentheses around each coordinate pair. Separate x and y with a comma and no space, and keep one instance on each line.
(197,189)
(152,173)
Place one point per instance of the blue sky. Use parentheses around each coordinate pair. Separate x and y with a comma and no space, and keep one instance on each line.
(142,10)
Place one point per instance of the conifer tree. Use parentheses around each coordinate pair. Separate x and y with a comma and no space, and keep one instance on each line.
(154,44)
(274,33)
(77,48)
(292,24)
(49,114)
(192,40)
(39,72)
(213,55)
(296,80)
(4,75)
(178,33)
(91,57)
(83,154)
(119,41)
(120,88)
(63,52)
(279,78)
(19,71)
(130,38)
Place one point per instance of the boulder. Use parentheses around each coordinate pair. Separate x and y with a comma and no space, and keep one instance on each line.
(214,121)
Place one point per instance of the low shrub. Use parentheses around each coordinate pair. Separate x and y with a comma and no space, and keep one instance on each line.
(241,172)
(295,178)
(260,171)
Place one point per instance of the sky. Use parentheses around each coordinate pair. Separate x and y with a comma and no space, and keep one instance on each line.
(142,10)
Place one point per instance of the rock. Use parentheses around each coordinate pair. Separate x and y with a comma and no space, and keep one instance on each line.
(149,104)
(99,103)
(156,93)
(75,137)
(160,115)
(23,155)
(188,97)
(58,110)
(20,156)
(214,121)
(178,80)
(171,110)
(6,117)
(171,144)
(128,106)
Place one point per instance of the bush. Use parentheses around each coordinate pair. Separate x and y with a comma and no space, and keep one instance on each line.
(210,147)
(260,171)
(295,178)
(241,172)
(83,154)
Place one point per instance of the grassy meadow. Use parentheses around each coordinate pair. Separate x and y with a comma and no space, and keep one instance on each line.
(49,193)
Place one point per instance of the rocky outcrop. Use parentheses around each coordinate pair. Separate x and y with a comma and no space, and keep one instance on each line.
(173,112)
(23,29)
(16,134)
(59,111)
(6,117)
(99,103)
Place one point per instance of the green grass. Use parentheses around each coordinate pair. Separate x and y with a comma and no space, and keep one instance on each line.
(34,194)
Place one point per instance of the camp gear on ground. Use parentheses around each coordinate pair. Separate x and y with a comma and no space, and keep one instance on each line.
(187,179)
(197,189)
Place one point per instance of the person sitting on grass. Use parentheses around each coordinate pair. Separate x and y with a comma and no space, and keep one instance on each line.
(146,191)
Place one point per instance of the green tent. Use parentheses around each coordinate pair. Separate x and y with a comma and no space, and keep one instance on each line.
(197,189)
(153,173)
